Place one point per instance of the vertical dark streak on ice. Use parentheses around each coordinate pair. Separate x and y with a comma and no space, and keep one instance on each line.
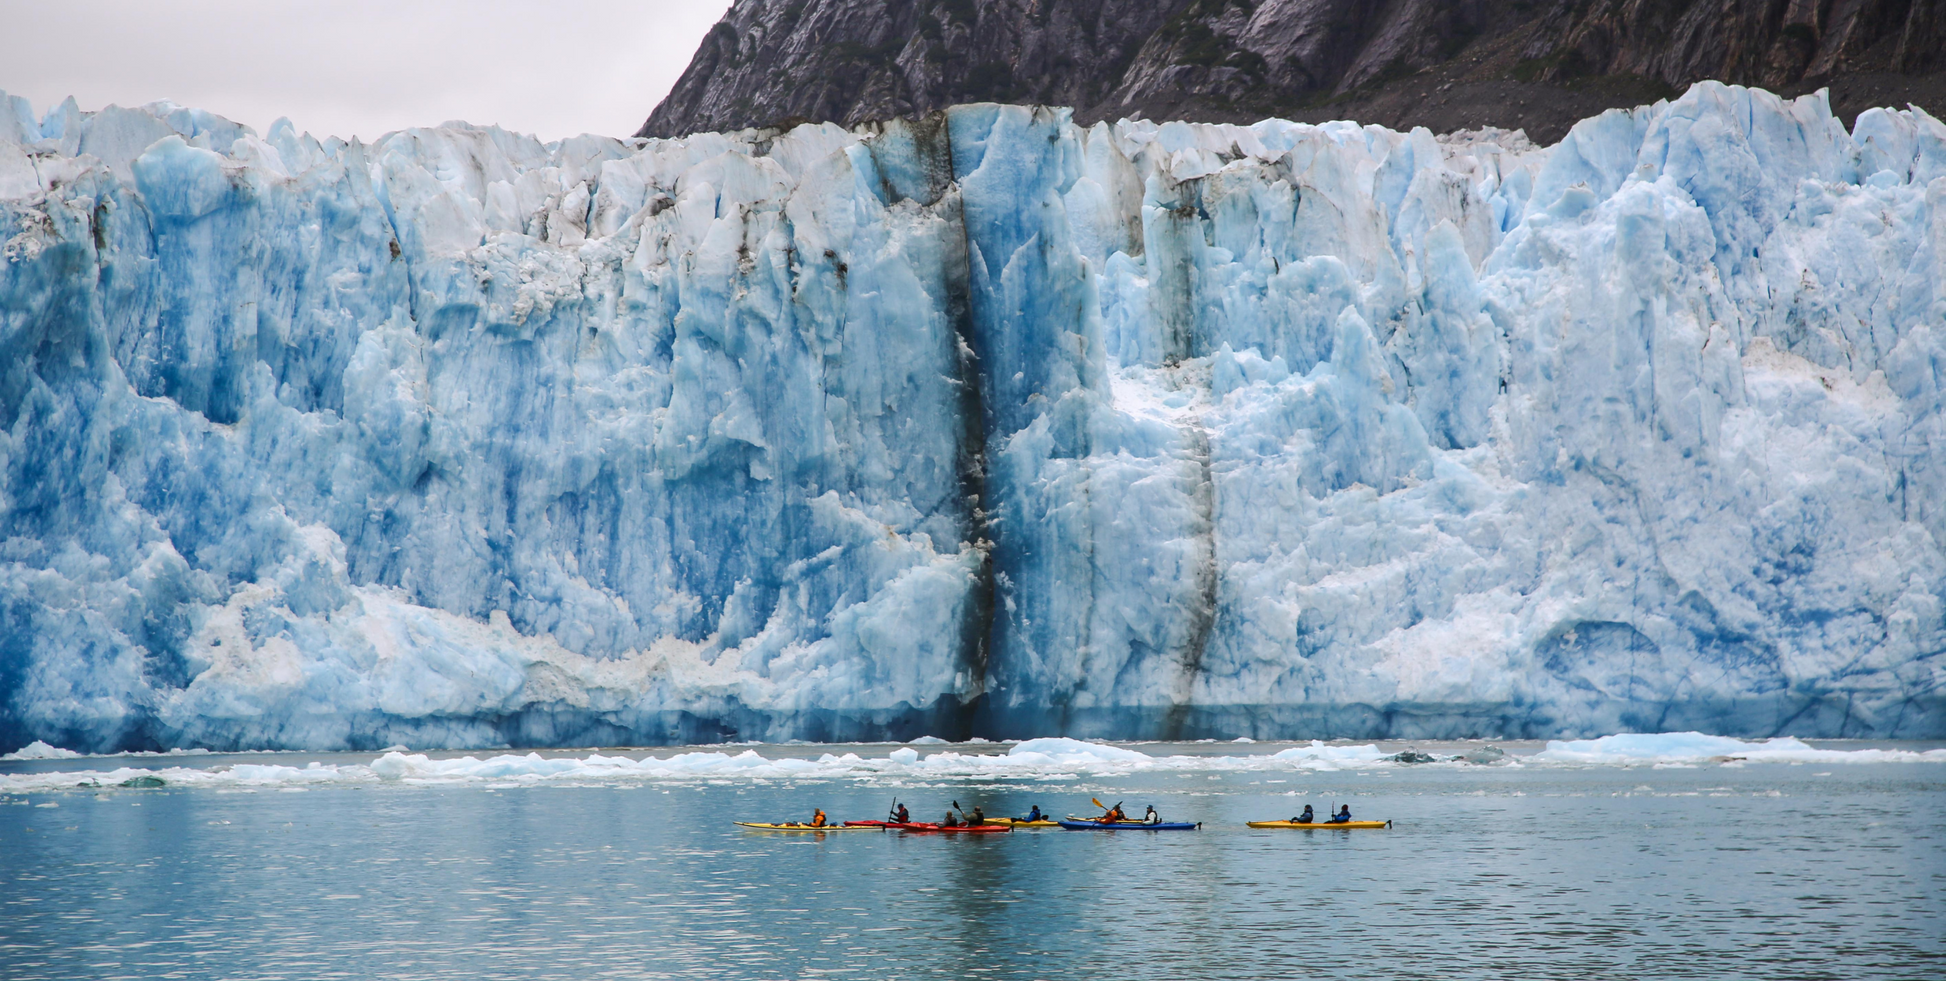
(933,139)
(1180,229)
(932,145)
(1202,615)
(1184,231)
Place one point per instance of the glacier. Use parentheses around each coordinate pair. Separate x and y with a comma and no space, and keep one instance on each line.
(983,423)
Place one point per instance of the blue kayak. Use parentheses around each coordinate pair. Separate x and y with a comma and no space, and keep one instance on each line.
(1129,826)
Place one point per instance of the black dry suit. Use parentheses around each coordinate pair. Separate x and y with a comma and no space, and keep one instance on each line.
(1304,818)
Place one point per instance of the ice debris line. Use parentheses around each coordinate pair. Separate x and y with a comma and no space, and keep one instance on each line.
(982,424)
(1057,759)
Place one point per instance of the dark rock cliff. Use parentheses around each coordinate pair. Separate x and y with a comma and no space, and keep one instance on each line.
(1447,64)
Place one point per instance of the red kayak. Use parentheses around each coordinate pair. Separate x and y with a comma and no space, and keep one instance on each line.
(953,829)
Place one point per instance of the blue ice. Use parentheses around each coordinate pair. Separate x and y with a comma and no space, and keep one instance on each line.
(982,423)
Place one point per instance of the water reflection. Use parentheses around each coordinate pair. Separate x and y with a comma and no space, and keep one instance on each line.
(1489,873)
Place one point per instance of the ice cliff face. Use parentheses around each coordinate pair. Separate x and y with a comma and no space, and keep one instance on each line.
(984,424)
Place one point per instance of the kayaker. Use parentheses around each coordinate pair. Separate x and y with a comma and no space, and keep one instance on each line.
(900,815)
(1035,814)
(1114,815)
(1305,818)
(978,817)
(817,819)
(1343,816)
(952,820)
(1151,817)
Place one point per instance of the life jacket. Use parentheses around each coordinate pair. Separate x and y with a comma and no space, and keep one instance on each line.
(817,820)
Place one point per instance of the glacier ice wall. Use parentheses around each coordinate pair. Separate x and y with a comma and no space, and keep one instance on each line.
(984,423)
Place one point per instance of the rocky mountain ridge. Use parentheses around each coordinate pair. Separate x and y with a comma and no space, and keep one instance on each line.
(1446,65)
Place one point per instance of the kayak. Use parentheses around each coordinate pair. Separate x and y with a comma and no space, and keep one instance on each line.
(1325,825)
(762,826)
(868,824)
(987,828)
(1130,826)
(1024,823)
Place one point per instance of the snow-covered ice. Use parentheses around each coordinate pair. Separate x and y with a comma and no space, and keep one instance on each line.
(982,423)
(1692,747)
(1054,758)
(38,750)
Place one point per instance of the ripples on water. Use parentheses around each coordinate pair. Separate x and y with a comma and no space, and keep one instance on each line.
(1759,871)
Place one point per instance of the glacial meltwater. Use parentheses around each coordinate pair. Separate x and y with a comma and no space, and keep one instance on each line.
(1665,857)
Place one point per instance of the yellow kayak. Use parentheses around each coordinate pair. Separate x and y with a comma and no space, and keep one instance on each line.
(1320,825)
(761,826)
(1018,823)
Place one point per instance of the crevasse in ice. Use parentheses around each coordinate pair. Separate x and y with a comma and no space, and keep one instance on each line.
(986,423)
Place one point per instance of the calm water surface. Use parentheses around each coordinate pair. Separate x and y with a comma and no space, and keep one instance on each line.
(1757,871)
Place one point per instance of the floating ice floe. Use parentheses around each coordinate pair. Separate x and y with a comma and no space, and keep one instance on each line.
(1693,747)
(38,750)
(1035,759)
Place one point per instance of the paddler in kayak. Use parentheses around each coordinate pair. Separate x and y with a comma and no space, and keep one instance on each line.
(1151,817)
(818,819)
(1035,814)
(951,821)
(1305,818)
(900,815)
(1342,817)
(977,818)
(1113,815)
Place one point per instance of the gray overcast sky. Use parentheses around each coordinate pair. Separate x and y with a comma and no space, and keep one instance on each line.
(361,67)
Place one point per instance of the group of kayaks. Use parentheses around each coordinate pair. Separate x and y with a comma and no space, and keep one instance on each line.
(1112,819)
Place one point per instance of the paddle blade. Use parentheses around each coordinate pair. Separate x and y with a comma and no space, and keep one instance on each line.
(1097,802)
